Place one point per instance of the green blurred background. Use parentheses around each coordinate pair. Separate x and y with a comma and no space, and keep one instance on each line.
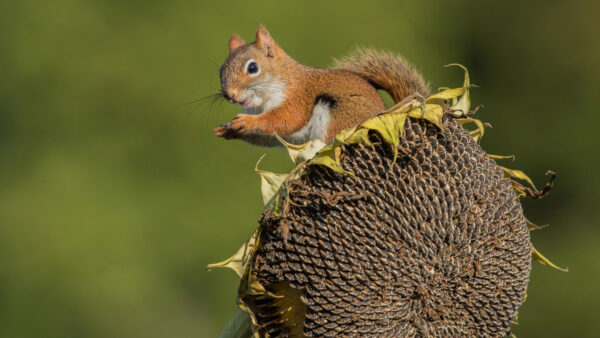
(115,194)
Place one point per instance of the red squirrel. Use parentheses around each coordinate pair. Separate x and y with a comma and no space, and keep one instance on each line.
(299,103)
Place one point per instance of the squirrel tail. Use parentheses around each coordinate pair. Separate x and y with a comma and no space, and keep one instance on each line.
(386,71)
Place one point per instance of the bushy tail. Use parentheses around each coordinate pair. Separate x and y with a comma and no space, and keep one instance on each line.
(385,71)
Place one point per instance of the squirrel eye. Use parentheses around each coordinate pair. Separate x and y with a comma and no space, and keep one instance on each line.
(252,68)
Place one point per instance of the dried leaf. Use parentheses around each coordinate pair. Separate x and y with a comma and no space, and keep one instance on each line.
(250,286)
(518,174)
(447,94)
(519,191)
(430,112)
(302,152)
(239,261)
(532,226)
(501,157)
(361,135)
(463,104)
(330,157)
(389,126)
(271,183)
(540,258)
(477,134)
(403,108)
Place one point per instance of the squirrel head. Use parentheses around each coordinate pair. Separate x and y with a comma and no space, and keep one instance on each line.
(252,73)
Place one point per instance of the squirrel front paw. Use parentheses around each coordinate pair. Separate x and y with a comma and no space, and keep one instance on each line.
(225,131)
(243,123)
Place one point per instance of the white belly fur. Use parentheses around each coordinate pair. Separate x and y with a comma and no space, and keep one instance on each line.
(316,128)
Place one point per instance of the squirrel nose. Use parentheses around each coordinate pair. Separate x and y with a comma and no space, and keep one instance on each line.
(231,93)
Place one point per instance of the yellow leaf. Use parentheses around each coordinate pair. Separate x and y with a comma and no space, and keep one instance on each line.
(251,286)
(255,288)
(344,135)
(389,126)
(501,157)
(239,261)
(329,157)
(447,94)
(361,135)
(270,182)
(477,134)
(512,173)
(302,152)
(400,108)
(519,192)
(463,104)
(540,258)
(430,112)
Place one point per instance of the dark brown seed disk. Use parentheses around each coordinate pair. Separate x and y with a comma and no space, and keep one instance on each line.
(433,244)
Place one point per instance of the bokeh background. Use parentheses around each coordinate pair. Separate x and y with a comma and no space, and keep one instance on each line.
(115,194)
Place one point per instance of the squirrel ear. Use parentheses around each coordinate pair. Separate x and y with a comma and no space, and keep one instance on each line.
(266,42)
(235,41)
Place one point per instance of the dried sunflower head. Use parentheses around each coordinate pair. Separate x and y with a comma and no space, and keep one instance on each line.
(403,226)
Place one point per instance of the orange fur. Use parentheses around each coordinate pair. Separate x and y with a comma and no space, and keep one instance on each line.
(235,41)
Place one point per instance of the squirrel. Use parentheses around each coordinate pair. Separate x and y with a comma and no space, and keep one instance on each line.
(298,103)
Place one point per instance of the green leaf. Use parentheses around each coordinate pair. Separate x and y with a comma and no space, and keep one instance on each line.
(238,327)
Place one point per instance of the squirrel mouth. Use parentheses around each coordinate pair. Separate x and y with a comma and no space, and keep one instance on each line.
(246,102)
